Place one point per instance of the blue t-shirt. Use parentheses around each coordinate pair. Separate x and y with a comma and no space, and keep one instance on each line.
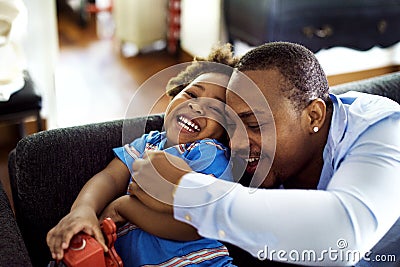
(137,247)
(207,156)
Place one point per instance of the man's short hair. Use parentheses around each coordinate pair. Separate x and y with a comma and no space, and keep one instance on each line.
(305,79)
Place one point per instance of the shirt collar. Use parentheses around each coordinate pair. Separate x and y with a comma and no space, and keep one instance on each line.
(336,132)
(337,127)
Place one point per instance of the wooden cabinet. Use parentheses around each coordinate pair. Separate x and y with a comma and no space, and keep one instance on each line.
(316,24)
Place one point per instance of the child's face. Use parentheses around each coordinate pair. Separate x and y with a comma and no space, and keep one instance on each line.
(197,112)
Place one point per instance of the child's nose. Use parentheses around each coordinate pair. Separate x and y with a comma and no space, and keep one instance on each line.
(196,108)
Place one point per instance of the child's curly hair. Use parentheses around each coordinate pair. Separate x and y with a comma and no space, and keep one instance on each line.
(221,54)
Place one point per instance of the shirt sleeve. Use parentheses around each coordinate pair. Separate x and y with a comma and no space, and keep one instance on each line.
(129,152)
(314,227)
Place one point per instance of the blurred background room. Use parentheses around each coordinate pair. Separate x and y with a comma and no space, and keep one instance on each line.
(86,60)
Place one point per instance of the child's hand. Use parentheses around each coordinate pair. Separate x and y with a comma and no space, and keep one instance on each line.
(80,219)
(112,211)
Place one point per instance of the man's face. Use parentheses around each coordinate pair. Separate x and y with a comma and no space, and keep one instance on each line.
(269,122)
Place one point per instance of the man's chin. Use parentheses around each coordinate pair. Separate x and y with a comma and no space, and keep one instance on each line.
(251,168)
(271,182)
(246,178)
(251,179)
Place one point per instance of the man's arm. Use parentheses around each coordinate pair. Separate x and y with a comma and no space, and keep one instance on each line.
(357,209)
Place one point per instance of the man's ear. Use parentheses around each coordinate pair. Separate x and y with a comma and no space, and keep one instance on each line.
(315,114)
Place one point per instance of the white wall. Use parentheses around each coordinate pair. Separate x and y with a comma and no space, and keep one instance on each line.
(41,50)
(202,26)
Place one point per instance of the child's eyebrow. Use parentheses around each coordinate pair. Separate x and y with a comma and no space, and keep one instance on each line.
(203,89)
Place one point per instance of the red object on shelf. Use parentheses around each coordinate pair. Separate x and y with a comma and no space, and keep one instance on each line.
(85,251)
(174,25)
(92,8)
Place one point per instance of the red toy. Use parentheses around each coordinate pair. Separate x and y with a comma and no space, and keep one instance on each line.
(85,251)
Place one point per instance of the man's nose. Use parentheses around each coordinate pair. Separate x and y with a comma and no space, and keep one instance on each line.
(239,140)
(196,108)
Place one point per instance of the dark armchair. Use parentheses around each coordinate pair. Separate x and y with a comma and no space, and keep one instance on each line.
(48,169)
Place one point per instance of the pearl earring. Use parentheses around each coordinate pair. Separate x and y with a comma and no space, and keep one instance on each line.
(315,129)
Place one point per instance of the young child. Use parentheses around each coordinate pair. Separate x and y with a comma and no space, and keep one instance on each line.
(192,129)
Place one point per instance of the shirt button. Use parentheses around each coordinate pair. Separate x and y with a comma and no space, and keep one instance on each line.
(221,233)
(188,218)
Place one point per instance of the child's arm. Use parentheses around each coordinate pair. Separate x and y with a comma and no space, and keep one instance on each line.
(94,196)
(131,209)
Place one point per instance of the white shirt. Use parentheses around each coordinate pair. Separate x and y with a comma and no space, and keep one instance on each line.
(357,202)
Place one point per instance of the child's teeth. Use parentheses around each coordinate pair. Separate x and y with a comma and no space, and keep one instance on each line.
(186,123)
(252,159)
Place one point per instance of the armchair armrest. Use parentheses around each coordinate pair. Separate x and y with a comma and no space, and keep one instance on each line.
(48,169)
(12,248)
(387,85)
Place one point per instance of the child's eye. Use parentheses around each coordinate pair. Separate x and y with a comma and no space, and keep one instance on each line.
(192,95)
(254,126)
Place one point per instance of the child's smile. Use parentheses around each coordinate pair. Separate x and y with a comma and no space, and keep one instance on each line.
(187,124)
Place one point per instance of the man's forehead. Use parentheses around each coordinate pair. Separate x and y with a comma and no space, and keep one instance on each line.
(245,97)
(244,86)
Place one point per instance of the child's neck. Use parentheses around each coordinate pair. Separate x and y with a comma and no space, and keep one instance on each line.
(168,144)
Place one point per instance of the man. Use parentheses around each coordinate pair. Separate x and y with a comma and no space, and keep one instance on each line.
(339,156)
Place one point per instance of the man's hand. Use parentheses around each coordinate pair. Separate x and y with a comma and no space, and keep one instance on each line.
(157,176)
